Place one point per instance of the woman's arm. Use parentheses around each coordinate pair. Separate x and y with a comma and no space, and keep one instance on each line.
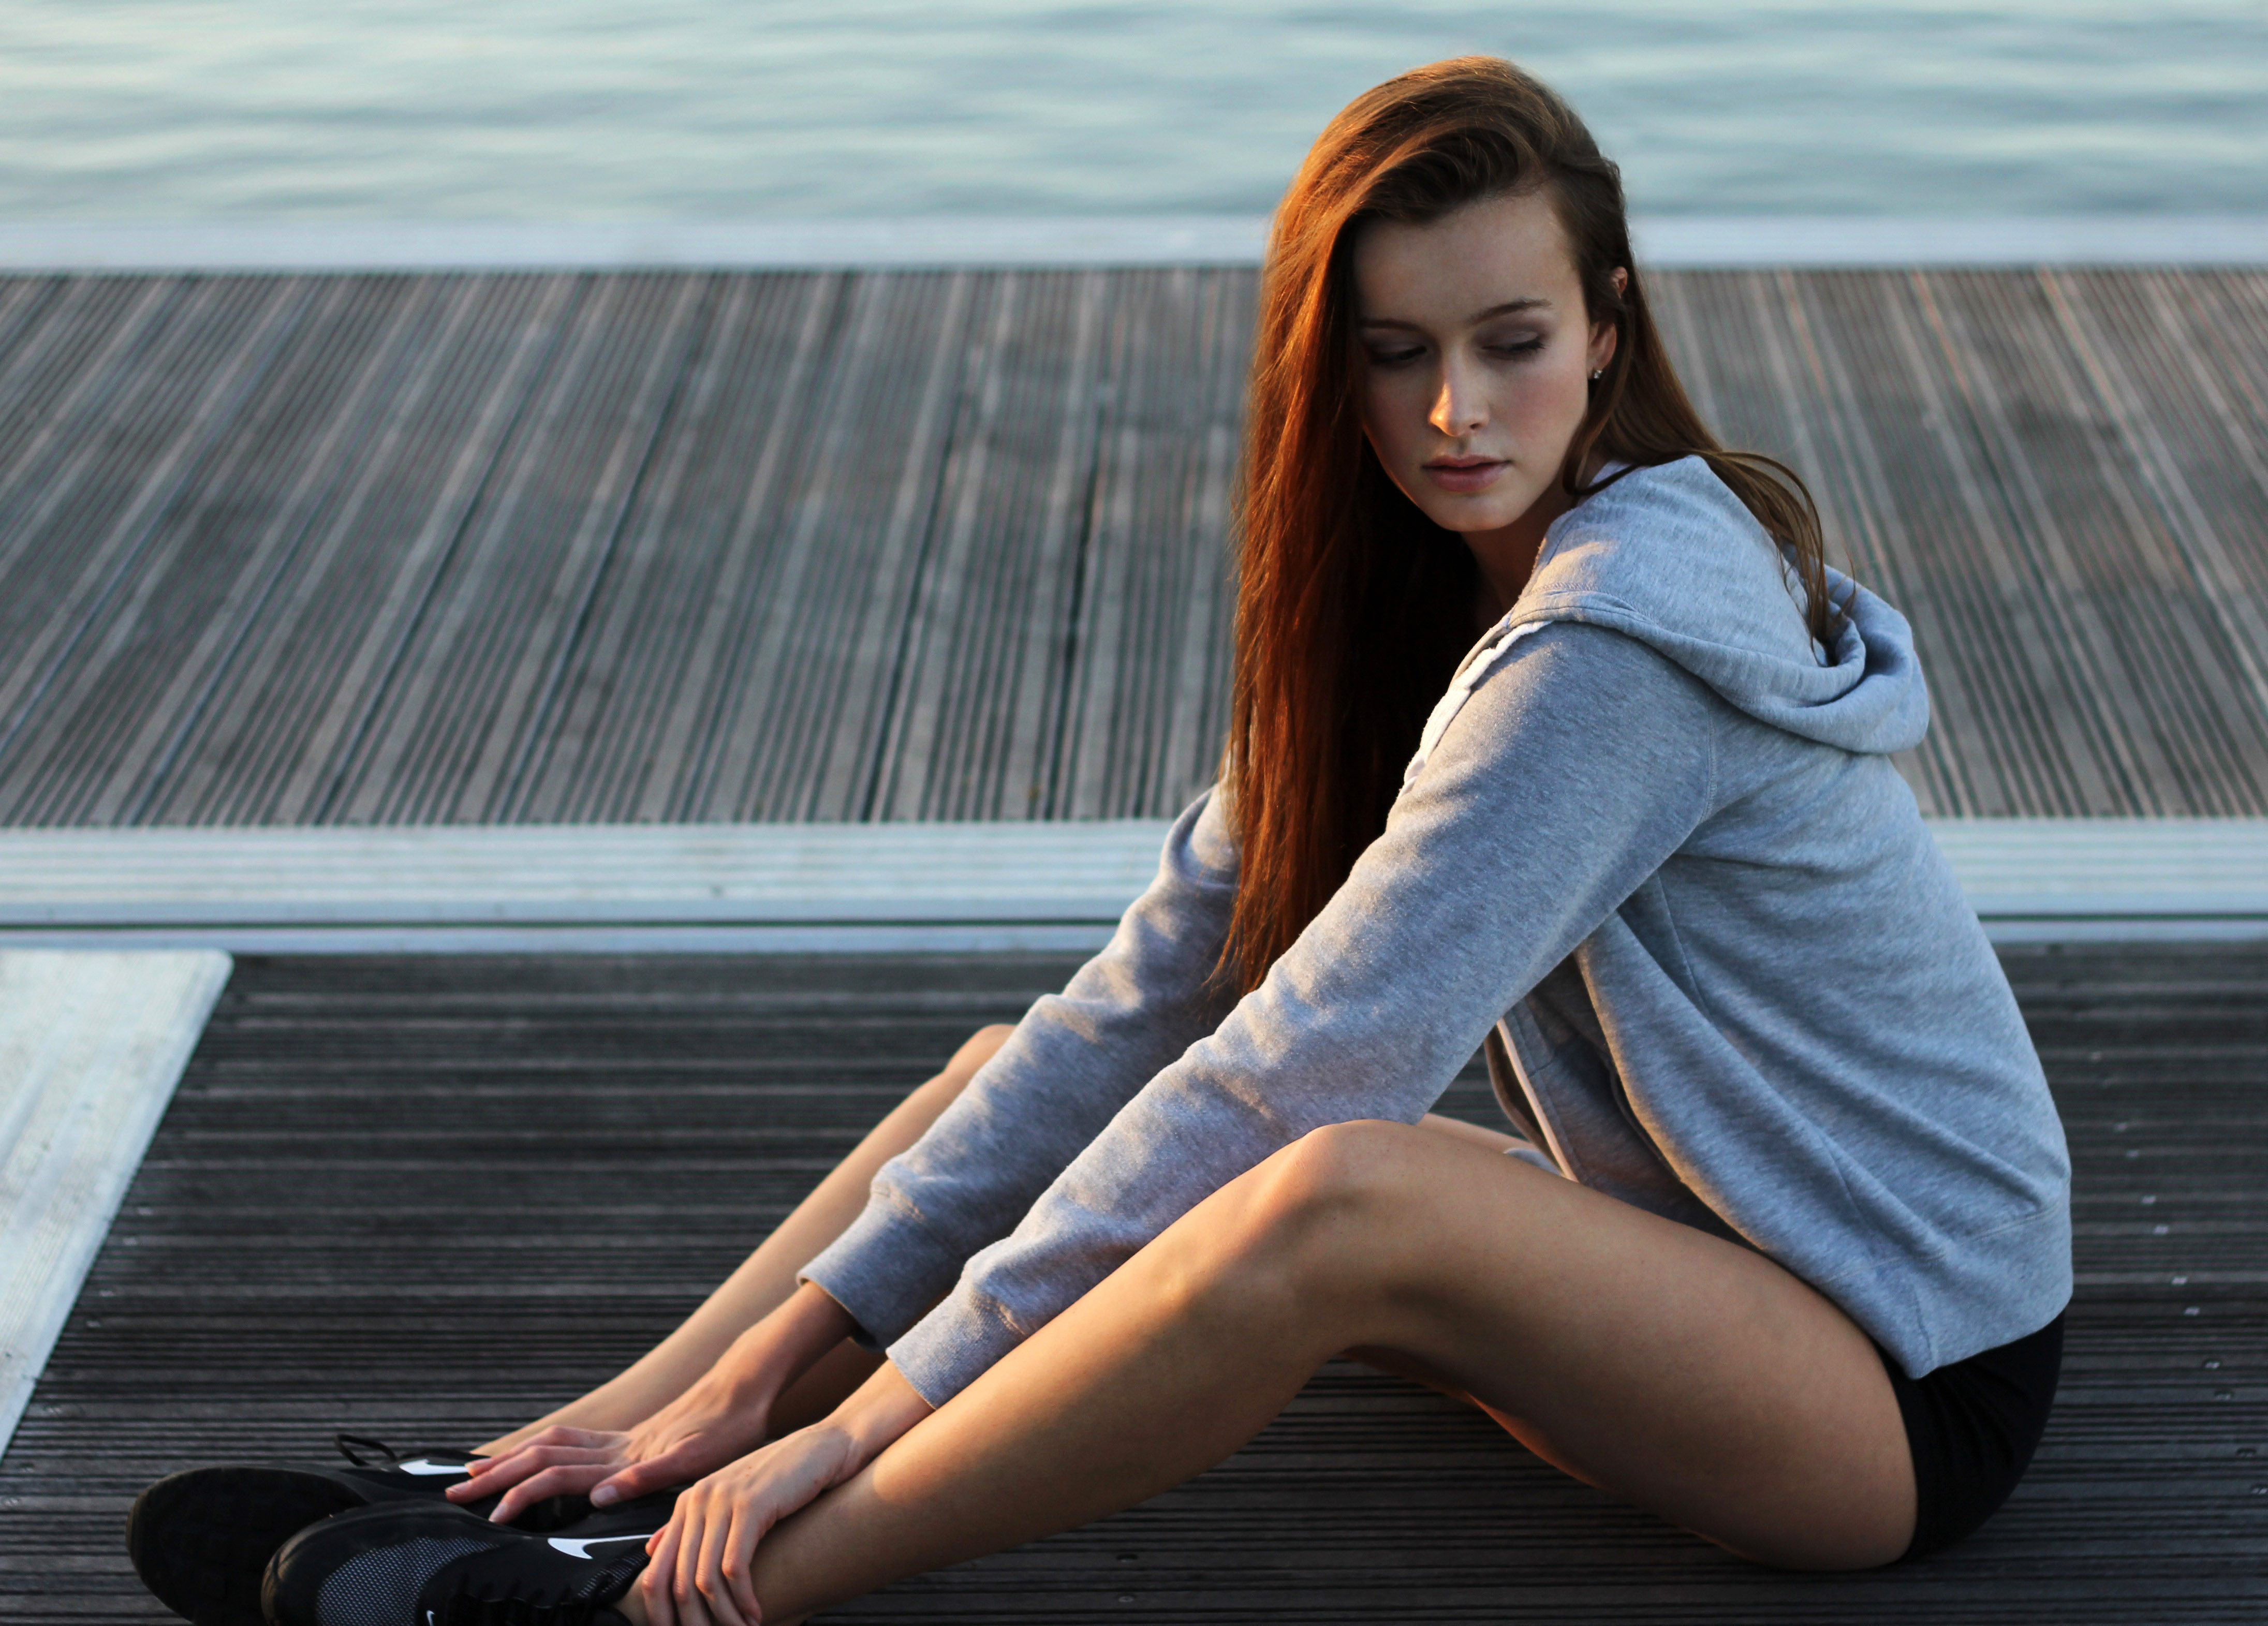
(1069,1064)
(701,1559)
(1572,771)
(1580,763)
(1073,1062)
(766,1280)
(723,1415)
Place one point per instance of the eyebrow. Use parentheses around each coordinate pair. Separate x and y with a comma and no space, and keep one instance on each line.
(1529,303)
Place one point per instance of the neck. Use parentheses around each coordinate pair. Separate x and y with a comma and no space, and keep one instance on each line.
(1506,556)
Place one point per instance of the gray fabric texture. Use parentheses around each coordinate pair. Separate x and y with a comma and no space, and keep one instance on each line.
(1653,842)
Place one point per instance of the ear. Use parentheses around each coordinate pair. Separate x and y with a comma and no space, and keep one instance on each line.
(1605,334)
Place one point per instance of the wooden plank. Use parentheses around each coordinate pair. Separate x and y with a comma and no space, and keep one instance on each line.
(2196,437)
(812,709)
(63,335)
(83,527)
(282,743)
(378,1175)
(639,688)
(978,666)
(1146,710)
(2151,653)
(110,718)
(478,672)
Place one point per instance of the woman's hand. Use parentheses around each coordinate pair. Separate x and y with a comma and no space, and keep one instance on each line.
(703,1565)
(715,1421)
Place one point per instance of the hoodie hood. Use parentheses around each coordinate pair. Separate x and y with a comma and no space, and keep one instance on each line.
(1670,556)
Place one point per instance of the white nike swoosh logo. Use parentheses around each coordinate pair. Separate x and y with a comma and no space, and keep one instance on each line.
(580,1546)
(421,1465)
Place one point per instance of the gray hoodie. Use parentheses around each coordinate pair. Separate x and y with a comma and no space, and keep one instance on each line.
(1652,850)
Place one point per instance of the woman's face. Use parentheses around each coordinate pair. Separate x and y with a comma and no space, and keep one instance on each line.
(1476,358)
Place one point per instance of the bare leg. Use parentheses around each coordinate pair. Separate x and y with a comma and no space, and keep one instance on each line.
(767,1277)
(1694,1378)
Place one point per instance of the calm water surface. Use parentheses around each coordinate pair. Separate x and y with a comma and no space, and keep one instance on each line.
(571,109)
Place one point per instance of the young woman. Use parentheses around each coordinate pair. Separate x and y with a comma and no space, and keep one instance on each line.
(1781,1251)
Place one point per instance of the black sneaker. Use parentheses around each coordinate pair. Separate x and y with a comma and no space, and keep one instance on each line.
(404,1563)
(200,1540)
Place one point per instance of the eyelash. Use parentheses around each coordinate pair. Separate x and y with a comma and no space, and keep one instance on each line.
(1399,358)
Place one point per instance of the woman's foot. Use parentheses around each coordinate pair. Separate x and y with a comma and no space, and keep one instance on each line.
(424,1564)
(201,1540)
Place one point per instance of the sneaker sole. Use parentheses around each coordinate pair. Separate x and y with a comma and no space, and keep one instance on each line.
(201,1540)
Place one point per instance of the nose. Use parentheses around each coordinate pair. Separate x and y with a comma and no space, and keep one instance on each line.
(1460,404)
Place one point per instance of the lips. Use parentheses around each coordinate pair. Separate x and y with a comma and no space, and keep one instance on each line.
(1464,474)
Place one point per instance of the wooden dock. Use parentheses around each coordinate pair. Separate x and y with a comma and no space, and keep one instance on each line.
(684,547)
(620,548)
(425,1198)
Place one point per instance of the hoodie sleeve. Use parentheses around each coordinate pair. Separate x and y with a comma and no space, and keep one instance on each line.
(1571,766)
(1073,1060)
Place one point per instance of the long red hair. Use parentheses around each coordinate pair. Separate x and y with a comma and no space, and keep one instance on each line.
(1353,607)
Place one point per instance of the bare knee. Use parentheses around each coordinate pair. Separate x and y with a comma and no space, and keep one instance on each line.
(1341,1164)
(1309,1195)
(979,1048)
(1287,1240)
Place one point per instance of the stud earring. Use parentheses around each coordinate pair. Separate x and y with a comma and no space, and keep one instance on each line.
(1598,373)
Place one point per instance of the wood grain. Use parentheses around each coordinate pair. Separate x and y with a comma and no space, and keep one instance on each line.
(425,1197)
(890,545)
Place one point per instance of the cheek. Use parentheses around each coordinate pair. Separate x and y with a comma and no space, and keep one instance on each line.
(1389,419)
(1550,400)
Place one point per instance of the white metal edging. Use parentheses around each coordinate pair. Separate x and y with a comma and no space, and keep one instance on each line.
(583,875)
(2034,880)
(91,1045)
(897,887)
(919,241)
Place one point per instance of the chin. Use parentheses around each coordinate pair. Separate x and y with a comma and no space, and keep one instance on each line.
(1470,521)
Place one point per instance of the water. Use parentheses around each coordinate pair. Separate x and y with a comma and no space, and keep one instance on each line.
(156,110)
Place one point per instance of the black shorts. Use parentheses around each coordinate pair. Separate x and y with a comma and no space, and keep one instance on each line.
(1973,1426)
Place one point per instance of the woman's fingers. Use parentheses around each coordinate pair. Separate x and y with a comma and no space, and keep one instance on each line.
(698,1559)
(685,1579)
(704,1562)
(563,1479)
(709,1569)
(740,1561)
(656,1585)
(518,1479)
(557,1434)
(679,1465)
(489,1476)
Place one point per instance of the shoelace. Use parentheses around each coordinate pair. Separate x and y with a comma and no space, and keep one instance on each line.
(346,1443)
